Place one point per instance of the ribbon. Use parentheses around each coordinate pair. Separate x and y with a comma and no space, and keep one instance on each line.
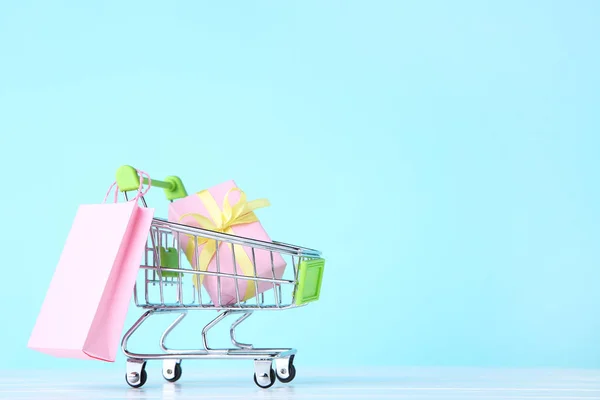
(223,221)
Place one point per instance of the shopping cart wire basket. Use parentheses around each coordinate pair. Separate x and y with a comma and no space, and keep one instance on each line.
(165,285)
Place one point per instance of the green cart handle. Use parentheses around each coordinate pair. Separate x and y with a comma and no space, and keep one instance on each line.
(129,180)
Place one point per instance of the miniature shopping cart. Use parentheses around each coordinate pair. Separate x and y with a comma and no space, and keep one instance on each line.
(166,286)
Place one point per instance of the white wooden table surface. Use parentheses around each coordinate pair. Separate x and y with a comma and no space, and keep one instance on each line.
(355,383)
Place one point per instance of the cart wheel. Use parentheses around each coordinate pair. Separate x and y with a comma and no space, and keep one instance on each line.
(286,373)
(177,374)
(137,381)
(265,381)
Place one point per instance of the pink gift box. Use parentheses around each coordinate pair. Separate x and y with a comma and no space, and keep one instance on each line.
(215,196)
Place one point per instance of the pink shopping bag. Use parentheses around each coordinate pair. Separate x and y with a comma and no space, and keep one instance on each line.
(86,304)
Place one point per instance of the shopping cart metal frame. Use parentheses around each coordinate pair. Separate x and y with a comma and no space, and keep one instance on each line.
(302,289)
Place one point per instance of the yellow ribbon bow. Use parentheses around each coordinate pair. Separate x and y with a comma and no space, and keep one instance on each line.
(223,221)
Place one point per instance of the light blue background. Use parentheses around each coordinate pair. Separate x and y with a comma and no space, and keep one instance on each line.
(443,155)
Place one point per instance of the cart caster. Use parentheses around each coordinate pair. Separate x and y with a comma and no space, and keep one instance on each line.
(172,370)
(286,372)
(265,381)
(136,373)
(264,374)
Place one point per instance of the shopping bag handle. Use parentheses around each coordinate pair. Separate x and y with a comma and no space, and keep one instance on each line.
(128,180)
(140,191)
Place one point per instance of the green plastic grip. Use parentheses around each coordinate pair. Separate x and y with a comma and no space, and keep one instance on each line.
(129,180)
(310,277)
